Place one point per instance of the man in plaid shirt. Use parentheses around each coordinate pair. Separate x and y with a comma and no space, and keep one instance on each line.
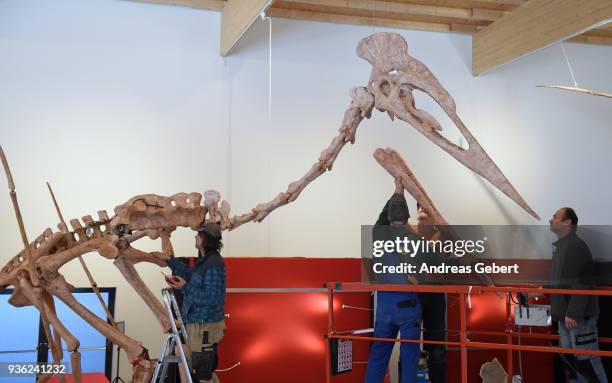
(203,300)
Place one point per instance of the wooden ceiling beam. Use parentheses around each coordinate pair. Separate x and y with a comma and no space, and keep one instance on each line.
(596,36)
(212,5)
(369,21)
(384,8)
(237,17)
(462,16)
(500,5)
(486,14)
(533,26)
(515,3)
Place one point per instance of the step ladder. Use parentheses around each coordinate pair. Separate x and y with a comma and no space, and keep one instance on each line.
(177,336)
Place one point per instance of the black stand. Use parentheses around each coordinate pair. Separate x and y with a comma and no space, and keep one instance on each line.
(120,327)
(117,377)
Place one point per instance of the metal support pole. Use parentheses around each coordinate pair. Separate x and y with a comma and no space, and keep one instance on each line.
(463,338)
(330,308)
(330,330)
(509,352)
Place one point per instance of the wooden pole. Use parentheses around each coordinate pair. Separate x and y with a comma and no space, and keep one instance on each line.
(29,256)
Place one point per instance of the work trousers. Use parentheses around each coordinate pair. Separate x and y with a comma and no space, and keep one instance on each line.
(211,333)
(434,324)
(586,368)
(395,312)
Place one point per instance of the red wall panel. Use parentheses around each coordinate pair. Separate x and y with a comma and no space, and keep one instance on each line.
(278,336)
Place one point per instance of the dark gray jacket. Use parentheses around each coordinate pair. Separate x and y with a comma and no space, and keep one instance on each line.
(572,268)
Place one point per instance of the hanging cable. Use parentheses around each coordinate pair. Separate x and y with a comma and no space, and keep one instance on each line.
(269,20)
(575,88)
(264,18)
(569,65)
(228,72)
(229,368)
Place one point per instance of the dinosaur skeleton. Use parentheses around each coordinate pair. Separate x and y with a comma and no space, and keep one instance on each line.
(34,271)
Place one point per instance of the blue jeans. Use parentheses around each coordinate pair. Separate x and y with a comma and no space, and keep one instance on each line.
(394,313)
(588,368)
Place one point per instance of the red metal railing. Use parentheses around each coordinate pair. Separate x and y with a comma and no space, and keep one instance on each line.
(464,344)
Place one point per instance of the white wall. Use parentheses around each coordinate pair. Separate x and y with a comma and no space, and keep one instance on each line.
(107,99)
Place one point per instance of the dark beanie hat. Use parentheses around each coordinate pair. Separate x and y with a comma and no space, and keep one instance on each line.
(398,208)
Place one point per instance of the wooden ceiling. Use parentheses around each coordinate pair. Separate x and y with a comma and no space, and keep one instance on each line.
(458,16)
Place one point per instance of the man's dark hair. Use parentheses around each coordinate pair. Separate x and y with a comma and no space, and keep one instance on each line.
(571,215)
(210,242)
(398,209)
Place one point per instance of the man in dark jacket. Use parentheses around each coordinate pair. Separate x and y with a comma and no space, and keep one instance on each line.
(572,268)
(433,305)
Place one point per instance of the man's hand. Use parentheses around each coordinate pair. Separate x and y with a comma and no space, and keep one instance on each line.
(399,189)
(570,323)
(175,282)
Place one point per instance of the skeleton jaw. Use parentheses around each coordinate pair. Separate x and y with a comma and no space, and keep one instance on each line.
(395,74)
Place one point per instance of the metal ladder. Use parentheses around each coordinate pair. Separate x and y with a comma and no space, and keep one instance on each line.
(178,336)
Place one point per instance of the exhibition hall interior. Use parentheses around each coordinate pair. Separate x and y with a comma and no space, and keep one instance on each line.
(305,191)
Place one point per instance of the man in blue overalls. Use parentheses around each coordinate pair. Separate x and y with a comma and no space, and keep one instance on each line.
(395,311)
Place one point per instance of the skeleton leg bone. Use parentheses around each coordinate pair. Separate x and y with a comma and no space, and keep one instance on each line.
(34,295)
(59,288)
(75,362)
(72,343)
(59,331)
(126,267)
(39,299)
